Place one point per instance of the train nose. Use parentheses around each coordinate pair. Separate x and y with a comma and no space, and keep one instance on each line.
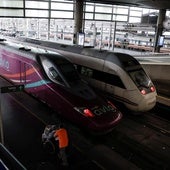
(105,125)
(147,103)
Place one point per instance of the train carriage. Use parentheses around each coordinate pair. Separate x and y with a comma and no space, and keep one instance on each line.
(54,80)
(117,75)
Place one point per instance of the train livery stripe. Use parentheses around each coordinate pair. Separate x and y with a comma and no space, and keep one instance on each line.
(30,71)
(17,75)
(28,85)
(122,99)
(37,84)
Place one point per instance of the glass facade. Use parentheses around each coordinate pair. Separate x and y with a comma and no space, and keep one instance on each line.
(17,6)
(54,20)
(65,9)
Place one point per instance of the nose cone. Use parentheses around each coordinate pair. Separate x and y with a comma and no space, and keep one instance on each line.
(104,124)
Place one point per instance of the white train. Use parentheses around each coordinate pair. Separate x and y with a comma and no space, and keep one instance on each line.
(120,76)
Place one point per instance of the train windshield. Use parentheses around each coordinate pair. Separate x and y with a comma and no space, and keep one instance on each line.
(54,74)
(51,70)
(140,78)
(69,72)
(59,70)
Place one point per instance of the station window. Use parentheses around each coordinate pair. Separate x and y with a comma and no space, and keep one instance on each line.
(135,13)
(89,15)
(168,13)
(89,8)
(61,14)
(11,12)
(36,13)
(102,17)
(120,18)
(154,10)
(134,19)
(103,9)
(67,1)
(62,6)
(118,10)
(36,4)
(11,3)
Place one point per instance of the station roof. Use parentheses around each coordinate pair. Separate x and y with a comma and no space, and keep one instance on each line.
(156,4)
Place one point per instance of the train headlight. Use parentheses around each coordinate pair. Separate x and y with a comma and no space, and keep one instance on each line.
(143,91)
(88,113)
(152,88)
(84,111)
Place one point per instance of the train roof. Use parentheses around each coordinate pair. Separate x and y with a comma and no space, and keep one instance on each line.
(31,52)
(88,51)
(57,58)
(121,59)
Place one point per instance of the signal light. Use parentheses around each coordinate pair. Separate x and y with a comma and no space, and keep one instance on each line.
(143,92)
(88,113)
(152,88)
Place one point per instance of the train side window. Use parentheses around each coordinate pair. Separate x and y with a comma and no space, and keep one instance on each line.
(86,71)
(101,76)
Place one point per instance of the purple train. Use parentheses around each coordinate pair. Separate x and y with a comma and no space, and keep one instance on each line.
(53,79)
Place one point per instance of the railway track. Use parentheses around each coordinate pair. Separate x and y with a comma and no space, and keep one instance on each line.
(144,140)
(151,120)
(162,110)
(141,141)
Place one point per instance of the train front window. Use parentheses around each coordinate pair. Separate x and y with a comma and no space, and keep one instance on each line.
(69,72)
(140,78)
(51,70)
(53,73)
